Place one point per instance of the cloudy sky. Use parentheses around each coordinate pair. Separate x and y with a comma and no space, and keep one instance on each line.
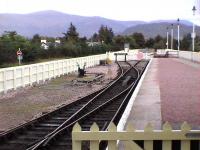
(146,10)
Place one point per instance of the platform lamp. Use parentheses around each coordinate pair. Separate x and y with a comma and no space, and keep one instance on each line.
(172,38)
(193,31)
(167,43)
(178,26)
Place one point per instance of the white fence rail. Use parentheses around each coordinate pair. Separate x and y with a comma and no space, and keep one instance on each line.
(195,56)
(21,76)
(14,77)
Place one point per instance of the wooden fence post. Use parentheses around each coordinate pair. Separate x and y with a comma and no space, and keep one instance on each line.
(148,145)
(94,145)
(112,144)
(130,145)
(76,145)
(30,75)
(167,144)
(4,82)
(14,78)
(185,145)
(22,76)
(43,72)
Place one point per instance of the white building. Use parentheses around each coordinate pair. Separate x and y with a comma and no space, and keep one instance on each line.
(44,44)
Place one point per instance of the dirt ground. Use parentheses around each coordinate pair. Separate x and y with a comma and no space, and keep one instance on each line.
(22,105)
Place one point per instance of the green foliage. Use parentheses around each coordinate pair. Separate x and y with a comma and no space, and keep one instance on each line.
(131,41)
(72,34)
(197,44)
(73,46)
(139,39)
(106,34)
(95,37)
(150,43)
(186,42)
(159,42)
(36,39)
(119,40)
(10,42)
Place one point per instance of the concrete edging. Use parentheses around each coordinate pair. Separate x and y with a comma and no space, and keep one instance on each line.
(127,111)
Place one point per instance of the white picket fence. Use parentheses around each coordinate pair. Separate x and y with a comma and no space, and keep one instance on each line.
(21,76)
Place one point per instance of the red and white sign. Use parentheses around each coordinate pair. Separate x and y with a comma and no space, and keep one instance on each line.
(140,55)
(19,52)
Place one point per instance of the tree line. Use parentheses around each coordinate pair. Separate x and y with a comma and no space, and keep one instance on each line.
(72,45)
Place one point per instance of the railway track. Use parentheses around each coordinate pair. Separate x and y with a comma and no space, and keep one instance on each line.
(108,111)
(27,135)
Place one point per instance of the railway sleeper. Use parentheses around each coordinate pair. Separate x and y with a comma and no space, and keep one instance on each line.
(13,147)
(64,115)
(61,147)
(29,138)
(54,121)
(58,118)
(48,125)
(18,141)
(37,133)
(38,128)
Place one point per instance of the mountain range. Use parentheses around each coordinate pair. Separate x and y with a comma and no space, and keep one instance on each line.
(53,24)
(154,29)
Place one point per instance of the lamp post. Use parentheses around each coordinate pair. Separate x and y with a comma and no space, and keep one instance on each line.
(193,32)
(178,20)
(167,38)
(172,38)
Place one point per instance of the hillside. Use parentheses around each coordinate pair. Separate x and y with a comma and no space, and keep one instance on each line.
(153,29)
(53,23)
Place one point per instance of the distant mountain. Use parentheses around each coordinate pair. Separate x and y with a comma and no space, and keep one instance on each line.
(155,28)
(53,23)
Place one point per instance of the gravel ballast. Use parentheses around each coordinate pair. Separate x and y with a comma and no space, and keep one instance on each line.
(23,105)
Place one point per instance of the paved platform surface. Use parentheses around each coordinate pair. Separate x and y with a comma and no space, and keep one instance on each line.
(170,92)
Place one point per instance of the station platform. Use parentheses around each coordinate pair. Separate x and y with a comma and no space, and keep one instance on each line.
(169,92)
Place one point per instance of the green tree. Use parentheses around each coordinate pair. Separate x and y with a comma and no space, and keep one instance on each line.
(72,34)
(150,43)
(186,42)
(197,44)
(10,42)
(36,39)
(159,42)
(106,34)
(139,39)
(95,37)
(119,41)
(131,41)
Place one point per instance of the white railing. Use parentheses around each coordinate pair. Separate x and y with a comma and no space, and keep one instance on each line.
(14,77)
(193,56)
(21,76)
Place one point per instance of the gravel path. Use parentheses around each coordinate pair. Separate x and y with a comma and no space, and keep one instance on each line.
(179,88)
(20,106)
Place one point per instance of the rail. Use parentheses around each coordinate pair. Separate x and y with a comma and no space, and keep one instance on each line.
(26,128)
(87,117)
